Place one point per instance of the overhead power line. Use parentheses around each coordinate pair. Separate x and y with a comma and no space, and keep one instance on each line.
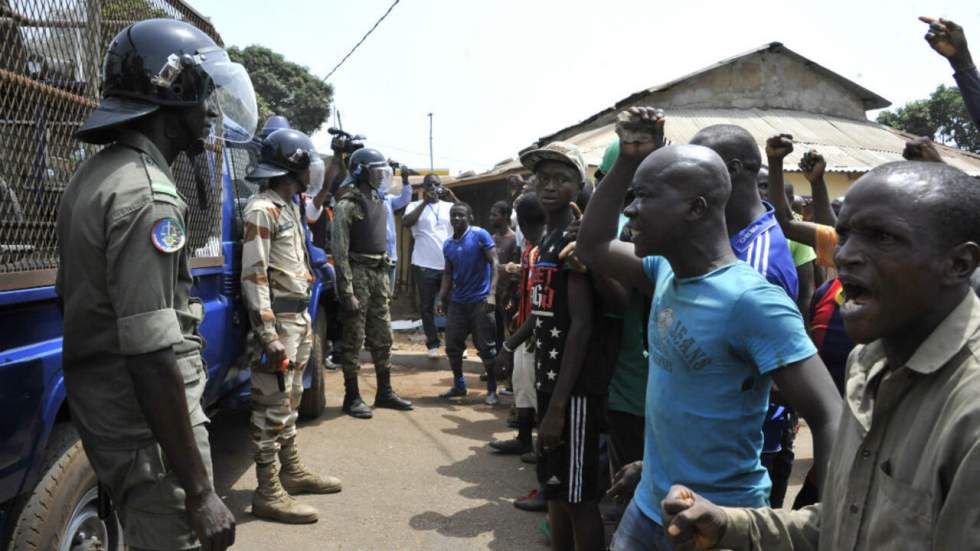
(363,38)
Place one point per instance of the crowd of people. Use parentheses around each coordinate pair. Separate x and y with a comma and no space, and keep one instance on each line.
(663,325)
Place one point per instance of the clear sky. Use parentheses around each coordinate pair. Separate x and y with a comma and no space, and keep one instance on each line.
(498,74)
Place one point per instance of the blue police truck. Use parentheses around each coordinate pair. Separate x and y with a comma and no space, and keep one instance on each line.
(48,84)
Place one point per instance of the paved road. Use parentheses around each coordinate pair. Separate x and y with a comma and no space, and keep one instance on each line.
(418,480)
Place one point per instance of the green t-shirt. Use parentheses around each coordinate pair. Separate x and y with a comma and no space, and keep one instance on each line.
(801,253)
(628,387)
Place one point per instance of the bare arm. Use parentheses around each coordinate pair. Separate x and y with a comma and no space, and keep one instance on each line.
(813,166)
(806,280)
(159,388)
(580,310)
(412,218)
(598,245)
(491,256)
(447,285)
(802,232)
(808,388)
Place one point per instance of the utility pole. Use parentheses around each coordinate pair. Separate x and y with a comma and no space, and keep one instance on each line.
(432,166)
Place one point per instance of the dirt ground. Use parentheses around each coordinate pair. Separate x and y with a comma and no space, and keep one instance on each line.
(423,479)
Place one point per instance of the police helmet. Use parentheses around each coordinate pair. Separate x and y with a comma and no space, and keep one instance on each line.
(165,62)
(284,151)
(369,165)
(275,122)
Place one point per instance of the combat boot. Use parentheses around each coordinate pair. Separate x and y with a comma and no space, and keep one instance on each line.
(297,479)
(353,405)
(270,500)
(386,396)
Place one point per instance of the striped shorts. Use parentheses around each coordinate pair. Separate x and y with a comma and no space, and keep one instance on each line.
(570,473)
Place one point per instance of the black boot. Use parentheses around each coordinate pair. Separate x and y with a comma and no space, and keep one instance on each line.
(386,396)
(353,405)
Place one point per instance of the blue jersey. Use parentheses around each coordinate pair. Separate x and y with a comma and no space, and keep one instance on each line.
(763,246)
(714,341)
(471,269)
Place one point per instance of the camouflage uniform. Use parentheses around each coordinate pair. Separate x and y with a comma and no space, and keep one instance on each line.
(359,248)
(276,279)
(365,276)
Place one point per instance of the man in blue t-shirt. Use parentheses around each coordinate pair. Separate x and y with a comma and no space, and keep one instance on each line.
(719,333)
(471,275)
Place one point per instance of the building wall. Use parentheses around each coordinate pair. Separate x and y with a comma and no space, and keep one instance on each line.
(837,183)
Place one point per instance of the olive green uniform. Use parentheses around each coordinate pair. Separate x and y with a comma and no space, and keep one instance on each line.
(125,284)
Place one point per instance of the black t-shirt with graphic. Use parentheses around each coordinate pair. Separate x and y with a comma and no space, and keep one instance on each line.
(549,306)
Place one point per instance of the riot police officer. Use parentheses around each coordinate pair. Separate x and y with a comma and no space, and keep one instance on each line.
(132,352)
(276,278)
(359,246)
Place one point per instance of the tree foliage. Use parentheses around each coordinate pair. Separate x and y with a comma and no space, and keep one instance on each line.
(285,88)
(942,117)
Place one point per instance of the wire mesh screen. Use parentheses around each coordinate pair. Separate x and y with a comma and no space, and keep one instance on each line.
(50,62)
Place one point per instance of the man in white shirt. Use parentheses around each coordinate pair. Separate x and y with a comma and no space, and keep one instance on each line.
(429,221)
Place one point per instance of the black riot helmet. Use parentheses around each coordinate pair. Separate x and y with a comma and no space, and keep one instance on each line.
(165,62)
(283,152)
(369,165)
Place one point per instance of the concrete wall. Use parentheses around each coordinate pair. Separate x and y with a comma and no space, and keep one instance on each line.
(837,183)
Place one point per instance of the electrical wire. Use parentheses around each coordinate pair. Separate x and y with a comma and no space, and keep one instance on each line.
(361,41)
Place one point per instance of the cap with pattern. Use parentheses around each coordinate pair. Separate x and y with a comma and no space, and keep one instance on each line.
(563,152)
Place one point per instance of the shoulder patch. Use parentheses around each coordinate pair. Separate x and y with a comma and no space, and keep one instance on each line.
(168,235)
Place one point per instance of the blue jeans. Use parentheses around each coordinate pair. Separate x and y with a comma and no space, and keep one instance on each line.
(638,532)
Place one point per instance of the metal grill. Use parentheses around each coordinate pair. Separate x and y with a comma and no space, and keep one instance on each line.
(50,60)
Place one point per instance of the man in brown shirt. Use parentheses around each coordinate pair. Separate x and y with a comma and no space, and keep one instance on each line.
(905,469)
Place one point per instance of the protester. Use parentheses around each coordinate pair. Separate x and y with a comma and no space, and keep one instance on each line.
(903,470)
(757,239)
(707,376)
(949,40)
(429,222)
(505,243)
(471,275)
(627,387)
(570,395)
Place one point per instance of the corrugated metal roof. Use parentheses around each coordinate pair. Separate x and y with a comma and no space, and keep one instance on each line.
(847,145)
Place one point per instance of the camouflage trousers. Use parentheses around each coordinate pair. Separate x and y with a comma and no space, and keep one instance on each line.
(274,412)
(371,323)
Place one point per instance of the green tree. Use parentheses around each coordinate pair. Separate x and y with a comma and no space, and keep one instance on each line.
(942,117)
(285,88)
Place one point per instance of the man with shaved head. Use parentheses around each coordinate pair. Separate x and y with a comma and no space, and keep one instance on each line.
(719,334)
(905,466)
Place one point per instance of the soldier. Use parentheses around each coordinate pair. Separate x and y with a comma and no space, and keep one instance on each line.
(132,363)
(276,278)
(359,253)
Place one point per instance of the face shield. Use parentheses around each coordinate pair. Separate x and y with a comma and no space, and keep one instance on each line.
(317,171)
(380,176)
(233,94)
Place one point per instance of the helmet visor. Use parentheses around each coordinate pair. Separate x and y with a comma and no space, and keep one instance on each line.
(234,96)
(316,173)
(380,177)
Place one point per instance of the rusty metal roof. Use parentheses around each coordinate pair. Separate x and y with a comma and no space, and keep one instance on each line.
(847,145)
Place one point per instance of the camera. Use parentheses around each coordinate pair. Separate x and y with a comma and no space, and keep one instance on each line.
(345,142)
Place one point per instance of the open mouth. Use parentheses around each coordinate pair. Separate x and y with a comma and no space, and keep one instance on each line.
(857,295)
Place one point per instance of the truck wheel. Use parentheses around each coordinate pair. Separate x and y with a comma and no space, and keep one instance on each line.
(315,398)
(62,512)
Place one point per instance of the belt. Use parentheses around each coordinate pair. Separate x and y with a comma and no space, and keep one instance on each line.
(289,305)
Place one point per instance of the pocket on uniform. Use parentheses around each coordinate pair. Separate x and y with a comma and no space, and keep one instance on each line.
(191,368)
(903,515)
